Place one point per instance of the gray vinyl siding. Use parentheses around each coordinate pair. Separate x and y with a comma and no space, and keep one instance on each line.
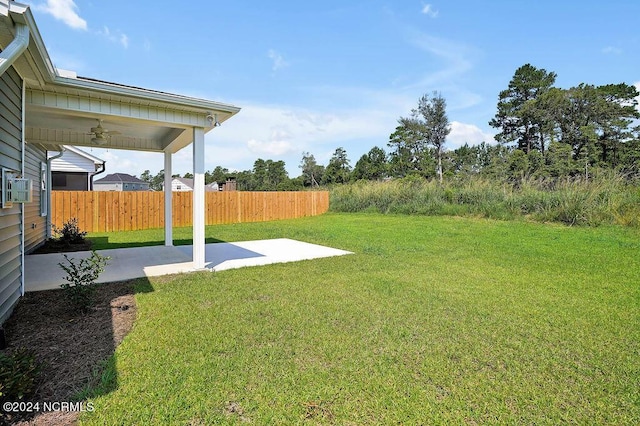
(35,226)
(10,219)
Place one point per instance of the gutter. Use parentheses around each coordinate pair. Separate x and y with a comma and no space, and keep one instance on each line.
(15,48)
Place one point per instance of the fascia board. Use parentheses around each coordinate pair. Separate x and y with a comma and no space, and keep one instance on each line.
(22,14)
(81,153)
(148,95)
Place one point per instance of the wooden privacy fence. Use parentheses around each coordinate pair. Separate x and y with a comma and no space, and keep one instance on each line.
(101,211)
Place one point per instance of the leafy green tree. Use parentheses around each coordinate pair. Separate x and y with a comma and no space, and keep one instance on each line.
(465,160)
(406,152)
(429,126)
(312,172)
(618,114)
(360,170)
(155,182)
(245,181)
(494,161)
(268,175)
(146,176)
(515,117)
(371,166)
(559,161)
(219,175)
(338,170)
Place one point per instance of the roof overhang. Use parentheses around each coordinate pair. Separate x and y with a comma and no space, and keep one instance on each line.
(62,107)
(95,160)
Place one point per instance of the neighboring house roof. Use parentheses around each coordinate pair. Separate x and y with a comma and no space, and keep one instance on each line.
(185,181)
(188,182)
(75,160)
(119,178)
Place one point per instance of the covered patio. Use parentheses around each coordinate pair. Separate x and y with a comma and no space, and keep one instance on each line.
(62,108)
(43,273)
(79,111)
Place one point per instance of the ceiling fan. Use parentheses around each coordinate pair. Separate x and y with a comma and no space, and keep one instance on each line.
(100,134)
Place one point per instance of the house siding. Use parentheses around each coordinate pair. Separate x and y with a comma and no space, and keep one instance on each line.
(72,162)
(10,218)
(35,225)
(179,186)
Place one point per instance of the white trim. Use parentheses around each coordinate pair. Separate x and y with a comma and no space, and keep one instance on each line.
(168,206)
(15,49)
(198,199)
(145,94)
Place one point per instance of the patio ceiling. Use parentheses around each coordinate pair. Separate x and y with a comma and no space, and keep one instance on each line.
(64,111)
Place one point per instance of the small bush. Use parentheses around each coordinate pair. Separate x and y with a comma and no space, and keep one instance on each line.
(18,373)
(70,232)
(81,278)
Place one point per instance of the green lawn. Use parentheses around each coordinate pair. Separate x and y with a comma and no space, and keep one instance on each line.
(432,320)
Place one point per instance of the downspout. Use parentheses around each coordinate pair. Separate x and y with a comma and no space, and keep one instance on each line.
(49,184)
(104,167)
(15,48)
(22,167)
(7,58)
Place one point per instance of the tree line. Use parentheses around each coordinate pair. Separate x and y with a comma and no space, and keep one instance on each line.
(543,132)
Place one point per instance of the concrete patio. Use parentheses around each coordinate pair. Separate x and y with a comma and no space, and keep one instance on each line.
(42,271)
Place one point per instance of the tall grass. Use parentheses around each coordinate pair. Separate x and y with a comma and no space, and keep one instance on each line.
(607,199)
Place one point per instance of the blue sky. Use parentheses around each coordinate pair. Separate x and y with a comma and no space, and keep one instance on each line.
(314,76)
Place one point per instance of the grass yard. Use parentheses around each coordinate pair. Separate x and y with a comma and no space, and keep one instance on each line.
(432,320)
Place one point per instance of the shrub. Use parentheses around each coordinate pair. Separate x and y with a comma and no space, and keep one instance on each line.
(70,232)
(81,278)
(18,373)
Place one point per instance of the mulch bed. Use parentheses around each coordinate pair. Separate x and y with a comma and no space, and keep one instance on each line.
(56,246)
(70,347)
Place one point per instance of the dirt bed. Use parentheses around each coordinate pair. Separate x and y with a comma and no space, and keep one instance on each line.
(70,348)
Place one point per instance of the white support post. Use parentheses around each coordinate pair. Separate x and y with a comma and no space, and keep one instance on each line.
(168,209)
(198,199)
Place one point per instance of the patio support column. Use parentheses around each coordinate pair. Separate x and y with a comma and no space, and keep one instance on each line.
(168,206)
(198,198)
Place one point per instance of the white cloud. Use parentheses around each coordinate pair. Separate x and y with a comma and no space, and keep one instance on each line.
(455,57)
(65,11)
(471,134)
(271,148)
(277,59)
(124,40)
(283,132)
(428,10)
(612,50)
(117,37)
